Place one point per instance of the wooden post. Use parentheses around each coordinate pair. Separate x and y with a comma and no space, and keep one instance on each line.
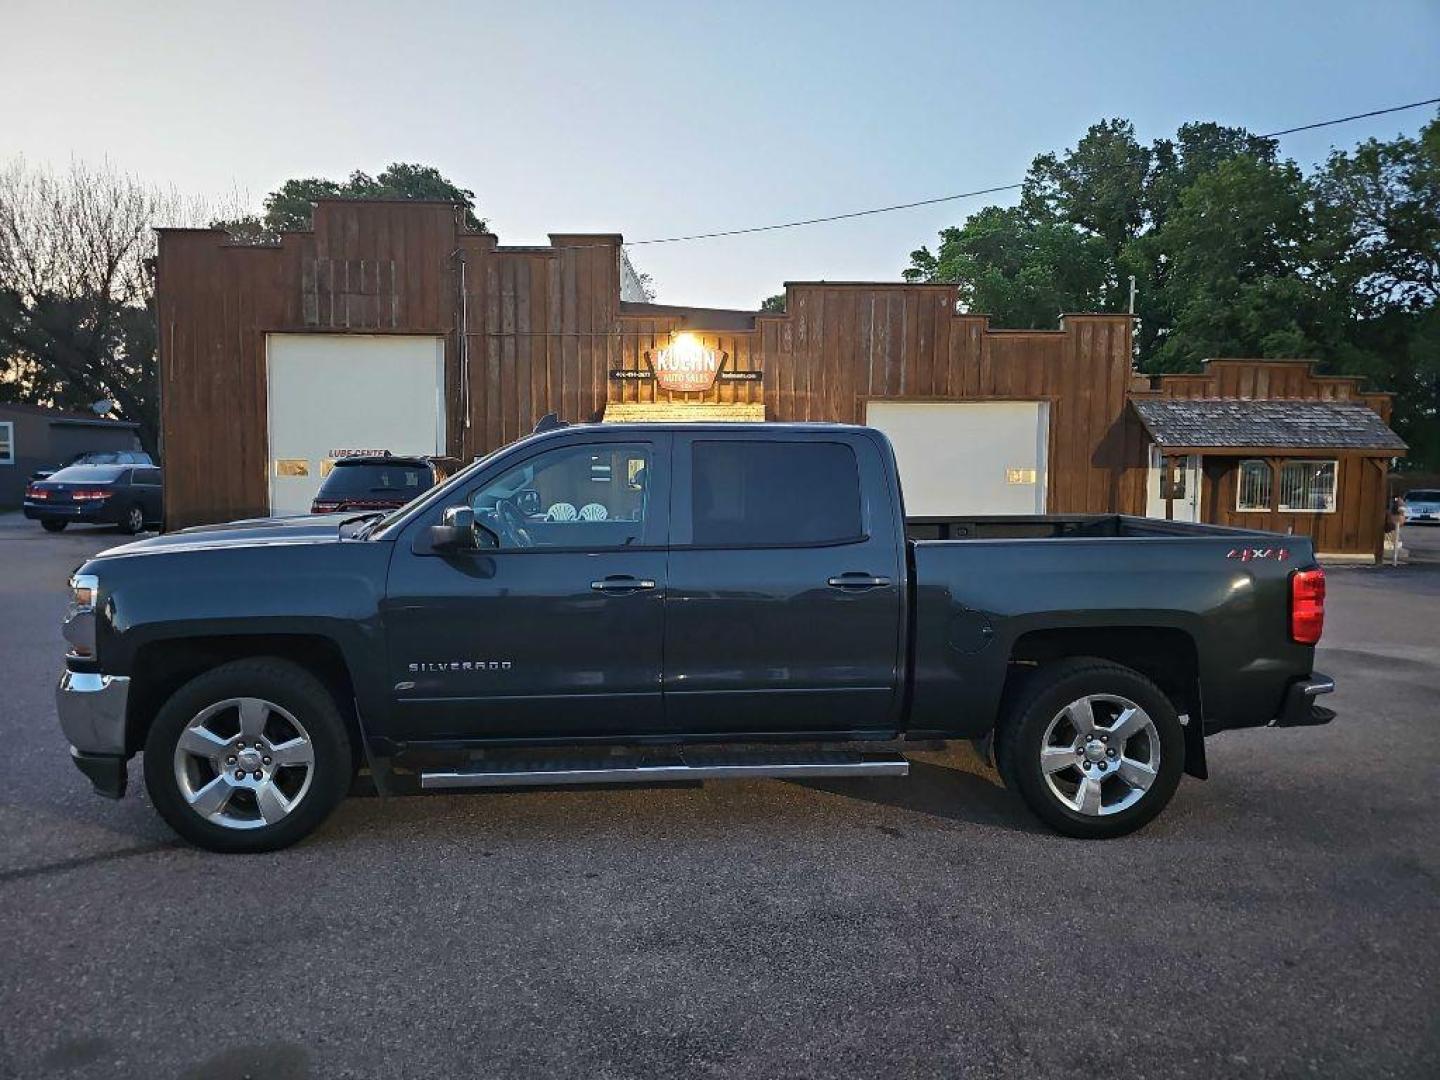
(1204,492)
(1275,464)
(1383,464)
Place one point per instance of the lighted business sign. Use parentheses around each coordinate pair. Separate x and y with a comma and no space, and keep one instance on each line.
(686,366)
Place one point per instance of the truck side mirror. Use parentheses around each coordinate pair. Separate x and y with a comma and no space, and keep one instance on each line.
(457,530)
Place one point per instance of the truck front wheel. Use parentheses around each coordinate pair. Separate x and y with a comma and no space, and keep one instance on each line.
(1094,748)
(250,756)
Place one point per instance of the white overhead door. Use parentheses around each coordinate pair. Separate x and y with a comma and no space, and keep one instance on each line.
(967,457)
(332,394)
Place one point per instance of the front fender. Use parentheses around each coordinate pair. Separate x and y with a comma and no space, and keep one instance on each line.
(326,590)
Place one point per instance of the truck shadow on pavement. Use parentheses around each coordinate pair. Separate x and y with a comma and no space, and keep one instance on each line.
(938,790)
(955,791)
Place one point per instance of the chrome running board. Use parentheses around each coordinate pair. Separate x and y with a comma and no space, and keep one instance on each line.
(648,770)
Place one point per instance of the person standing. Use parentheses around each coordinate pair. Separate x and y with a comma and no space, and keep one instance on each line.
(1394,518)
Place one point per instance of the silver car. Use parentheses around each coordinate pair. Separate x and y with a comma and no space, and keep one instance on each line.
(1422,506)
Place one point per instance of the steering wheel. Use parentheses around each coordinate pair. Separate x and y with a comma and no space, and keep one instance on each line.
(512,524)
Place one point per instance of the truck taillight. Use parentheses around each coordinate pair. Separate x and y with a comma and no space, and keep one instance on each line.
(1307,605)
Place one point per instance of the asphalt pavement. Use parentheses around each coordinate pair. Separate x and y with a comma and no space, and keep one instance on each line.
(1281,919)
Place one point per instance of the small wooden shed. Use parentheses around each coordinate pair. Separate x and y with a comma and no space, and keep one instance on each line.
(1268,444)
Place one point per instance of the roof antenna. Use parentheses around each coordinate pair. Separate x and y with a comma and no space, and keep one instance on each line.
(549,422)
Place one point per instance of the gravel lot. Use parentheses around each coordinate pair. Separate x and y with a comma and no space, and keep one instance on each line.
(1279,920)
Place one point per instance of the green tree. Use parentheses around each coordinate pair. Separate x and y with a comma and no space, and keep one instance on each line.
(1022,272)
(1235,252)
(1099,186)
(1381,203)
(1112,187)
(774,303)
(288,207)
(1238,282)
(1197,149)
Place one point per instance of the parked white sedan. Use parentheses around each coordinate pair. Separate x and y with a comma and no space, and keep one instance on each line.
(1422,506)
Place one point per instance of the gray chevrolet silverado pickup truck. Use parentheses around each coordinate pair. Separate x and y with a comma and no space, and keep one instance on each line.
(657,603)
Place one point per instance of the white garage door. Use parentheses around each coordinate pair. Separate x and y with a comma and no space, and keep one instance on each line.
(332,394)
(970,457)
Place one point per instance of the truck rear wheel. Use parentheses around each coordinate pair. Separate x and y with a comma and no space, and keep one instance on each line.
(1094,748)
(251,756)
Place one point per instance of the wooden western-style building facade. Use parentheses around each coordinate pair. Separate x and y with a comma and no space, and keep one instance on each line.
(510,333)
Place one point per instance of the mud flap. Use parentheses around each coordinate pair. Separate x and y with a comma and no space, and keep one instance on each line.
(380,772)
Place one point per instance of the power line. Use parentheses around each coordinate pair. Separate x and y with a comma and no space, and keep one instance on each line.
(831,217)
(1356,116)
(986,191)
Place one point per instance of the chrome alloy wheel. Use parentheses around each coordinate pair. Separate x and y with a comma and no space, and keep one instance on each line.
(1100,754)
(135,519)
(244,763)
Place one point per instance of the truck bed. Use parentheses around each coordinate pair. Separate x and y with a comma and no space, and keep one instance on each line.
(1213,599)
(1061,526)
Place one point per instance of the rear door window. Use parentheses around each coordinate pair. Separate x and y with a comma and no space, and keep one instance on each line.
(377,479)
(774,493)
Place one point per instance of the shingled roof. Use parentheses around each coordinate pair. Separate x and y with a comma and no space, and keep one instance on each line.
(1229,422)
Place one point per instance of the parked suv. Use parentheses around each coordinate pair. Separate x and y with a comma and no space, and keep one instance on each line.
(124,495)
(378,482)
(97,457)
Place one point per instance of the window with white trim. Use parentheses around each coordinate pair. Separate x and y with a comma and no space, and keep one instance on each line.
(7,443)
(1306,487)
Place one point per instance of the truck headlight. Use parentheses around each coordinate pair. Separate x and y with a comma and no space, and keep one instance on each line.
(79,627)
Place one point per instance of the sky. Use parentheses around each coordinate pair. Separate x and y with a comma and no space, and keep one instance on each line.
(658,119)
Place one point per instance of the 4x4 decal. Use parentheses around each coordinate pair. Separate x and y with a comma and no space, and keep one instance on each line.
(1246,554)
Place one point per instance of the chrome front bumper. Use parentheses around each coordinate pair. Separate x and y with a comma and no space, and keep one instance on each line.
(92,711)
(92,715)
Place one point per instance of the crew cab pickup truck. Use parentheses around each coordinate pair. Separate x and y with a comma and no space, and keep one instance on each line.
(658,603)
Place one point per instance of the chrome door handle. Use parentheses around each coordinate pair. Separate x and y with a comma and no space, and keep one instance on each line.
(857,581)
(622,584)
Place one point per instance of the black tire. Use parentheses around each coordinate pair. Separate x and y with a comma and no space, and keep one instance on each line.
(1041,698)
(51,525)
(293,689)
(134,520)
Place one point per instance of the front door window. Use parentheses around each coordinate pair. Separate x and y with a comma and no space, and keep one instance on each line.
(590,497)
(557,633)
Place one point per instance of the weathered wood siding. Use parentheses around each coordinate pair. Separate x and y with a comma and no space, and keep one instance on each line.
(1356,526)
(531,330)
